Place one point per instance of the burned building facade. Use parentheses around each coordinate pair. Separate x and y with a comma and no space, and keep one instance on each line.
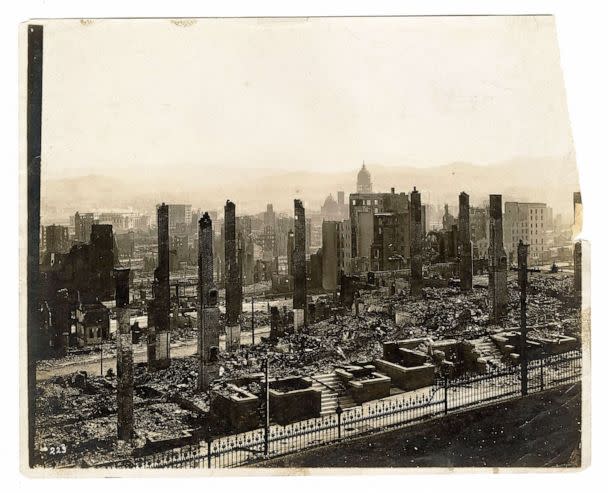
(497,262)
(299,266)
(85,271)
(233,279)
(366,230)
(160,306)
(415,245)
(465,250)
(208,312)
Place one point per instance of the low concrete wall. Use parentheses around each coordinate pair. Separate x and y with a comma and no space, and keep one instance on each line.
(377,386)
(557,346)
(411,358)
(450,347)
(509,342)
(288,406)
(390,349)
(407,378)
(237,412)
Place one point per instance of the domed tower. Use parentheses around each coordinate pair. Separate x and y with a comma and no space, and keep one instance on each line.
(364,181)
(330,209)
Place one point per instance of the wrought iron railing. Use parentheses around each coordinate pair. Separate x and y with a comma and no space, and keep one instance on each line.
(444,397)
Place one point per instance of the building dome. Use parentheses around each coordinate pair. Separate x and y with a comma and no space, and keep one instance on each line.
(330,202)
(364,180)
(330,208)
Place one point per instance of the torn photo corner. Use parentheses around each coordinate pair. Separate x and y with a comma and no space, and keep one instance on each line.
(299,245)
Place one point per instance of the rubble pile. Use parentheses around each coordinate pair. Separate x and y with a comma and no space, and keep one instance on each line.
(261,319)
(550,310)
(80,410)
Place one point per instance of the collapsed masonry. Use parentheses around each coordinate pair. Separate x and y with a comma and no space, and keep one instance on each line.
(233,280)
(299,266)
(208,313)
(416,245)
(497,262)
(465,247)
(124,356)
(159,307)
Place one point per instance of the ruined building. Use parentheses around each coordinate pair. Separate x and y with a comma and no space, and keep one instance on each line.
(233,280)
(60,324)
(290,244)
(208,313)
(299,267)
(55,239)
(367,212)
(465,250)
(283,226)
(390,245)
(479,231)
(448,220)
(124,356)
(330,242)
(159,307)
(179,216)
(86,271)
(314,269)
(497,262)
(92,324)
(77,281)
(219,261)
(83,223)
(528,222)
(344,246)
(246,259)
(415,245)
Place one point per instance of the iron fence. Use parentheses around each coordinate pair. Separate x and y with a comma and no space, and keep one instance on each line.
(445,396)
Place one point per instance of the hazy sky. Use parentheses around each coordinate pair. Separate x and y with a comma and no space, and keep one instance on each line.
(155,96)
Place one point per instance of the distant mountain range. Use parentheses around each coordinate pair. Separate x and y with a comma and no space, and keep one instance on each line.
(549,180)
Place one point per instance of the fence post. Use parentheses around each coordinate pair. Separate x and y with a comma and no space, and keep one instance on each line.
(339,413)
(445,393)
(542,372)
(208,439)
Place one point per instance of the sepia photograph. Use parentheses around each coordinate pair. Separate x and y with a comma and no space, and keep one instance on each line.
(263,244)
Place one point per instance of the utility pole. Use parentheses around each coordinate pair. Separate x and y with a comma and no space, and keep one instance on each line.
(252,317)
(522,264)
(267,410)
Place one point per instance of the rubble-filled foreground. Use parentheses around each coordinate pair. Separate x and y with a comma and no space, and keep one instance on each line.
(76,415)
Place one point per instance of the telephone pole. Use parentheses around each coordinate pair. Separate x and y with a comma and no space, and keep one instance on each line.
(522,265)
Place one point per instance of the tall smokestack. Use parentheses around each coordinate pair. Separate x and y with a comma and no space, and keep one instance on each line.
(124,356)
(465,252)
(233,281)
(497,262)
(208,314)
(159,329)
(416,245)
(299,266)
